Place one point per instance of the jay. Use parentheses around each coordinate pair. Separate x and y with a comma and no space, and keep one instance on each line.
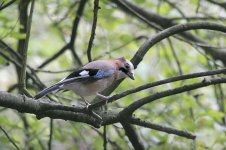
(93,78)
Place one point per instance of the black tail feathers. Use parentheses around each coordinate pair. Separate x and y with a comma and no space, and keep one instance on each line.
(46,91)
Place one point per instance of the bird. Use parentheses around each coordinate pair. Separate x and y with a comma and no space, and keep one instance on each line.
(93,78)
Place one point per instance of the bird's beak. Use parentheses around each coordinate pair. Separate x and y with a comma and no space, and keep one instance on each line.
(131,75)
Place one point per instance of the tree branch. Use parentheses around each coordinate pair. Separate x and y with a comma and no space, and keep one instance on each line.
(69,45)
(105,139)
(220,4)
(31,75)
(132,135)
(50,134)
(56,55)
(139,103)
(3,6)
(46,109)
(171,31)
(25,21)
(79,13)
(95,12)
(4,46)
(138,57)
(157,83)
(139,122)
(43,109)
(8,137)
(159,22)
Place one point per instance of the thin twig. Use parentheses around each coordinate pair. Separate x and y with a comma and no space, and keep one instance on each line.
(105,137)
(4,46)
(198,18)
(69,45)
(138,38)
(50,134)
(33,77)
(114,144)
(142,123)
(175,57)
(12,28)
(74,31)
(176,7)
(61,51)
(8,137)
(95,12)
(3,6)
(18,57)
(10,59)
(220,4)
(26,129)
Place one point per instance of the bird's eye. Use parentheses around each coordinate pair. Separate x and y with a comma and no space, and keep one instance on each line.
(127,66)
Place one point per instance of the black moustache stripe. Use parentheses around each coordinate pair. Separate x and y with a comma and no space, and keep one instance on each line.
(123,70)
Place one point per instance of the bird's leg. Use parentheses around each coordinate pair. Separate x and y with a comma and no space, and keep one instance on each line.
(106,98)
(102,96)
(87,104)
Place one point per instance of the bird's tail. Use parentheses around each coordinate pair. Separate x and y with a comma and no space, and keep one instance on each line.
(47,90)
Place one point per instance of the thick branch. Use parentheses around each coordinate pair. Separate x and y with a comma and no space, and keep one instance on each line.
(171,31)
(132,135)
(23,51)
(22,48)
(58,111)
(43,109)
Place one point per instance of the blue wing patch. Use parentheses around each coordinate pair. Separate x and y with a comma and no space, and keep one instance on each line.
(93,73)
(103,73)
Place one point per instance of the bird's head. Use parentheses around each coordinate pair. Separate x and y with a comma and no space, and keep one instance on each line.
(126,67)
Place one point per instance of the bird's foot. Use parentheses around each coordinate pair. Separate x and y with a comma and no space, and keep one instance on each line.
(87,104)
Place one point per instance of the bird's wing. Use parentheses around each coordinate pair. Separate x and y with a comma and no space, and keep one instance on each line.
(87,74)
(83,75)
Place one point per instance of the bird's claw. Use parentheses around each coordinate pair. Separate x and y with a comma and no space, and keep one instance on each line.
(87,105)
